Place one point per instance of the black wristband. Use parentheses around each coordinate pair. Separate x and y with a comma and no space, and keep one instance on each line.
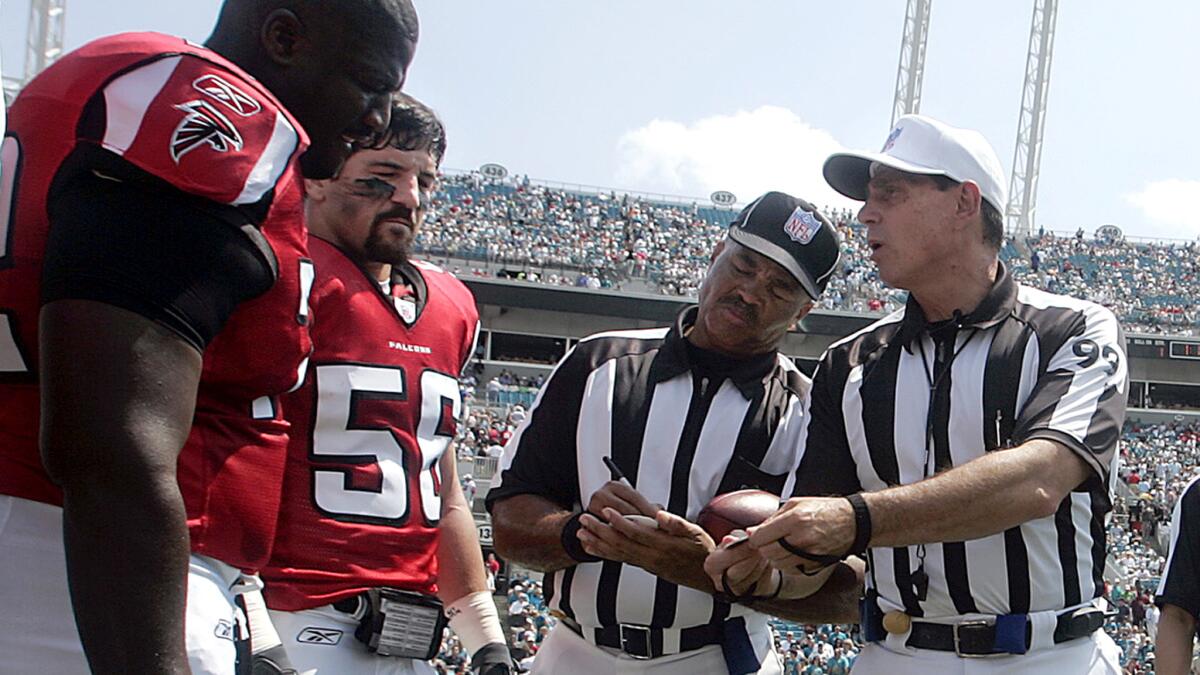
(570,541)
(862,524)
(492,659)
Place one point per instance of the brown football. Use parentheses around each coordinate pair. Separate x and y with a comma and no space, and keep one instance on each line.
(736,511)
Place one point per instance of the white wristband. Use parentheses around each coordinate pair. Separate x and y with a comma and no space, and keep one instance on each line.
(262,631)
(474,619)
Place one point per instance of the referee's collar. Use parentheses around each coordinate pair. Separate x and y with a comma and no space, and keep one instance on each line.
(995,307)
(673,360)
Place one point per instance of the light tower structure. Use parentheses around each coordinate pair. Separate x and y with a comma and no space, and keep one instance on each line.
(1027,157)
(44,37)
(911,72)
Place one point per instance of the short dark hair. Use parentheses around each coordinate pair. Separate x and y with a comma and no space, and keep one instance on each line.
(993,222)
(414,126)
(244,18)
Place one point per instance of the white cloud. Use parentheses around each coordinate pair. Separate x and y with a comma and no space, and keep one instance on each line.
(747,153)
(1170,207)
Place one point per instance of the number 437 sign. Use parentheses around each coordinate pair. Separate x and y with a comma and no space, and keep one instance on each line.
(485,534)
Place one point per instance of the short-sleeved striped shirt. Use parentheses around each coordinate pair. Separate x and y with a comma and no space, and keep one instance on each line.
(681,433)
(903,399)
(1180,583)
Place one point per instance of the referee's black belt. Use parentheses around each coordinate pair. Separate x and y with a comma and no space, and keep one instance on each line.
(645,642)
(1007,635)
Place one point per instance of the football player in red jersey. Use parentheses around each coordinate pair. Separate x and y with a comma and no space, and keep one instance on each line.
(374,525)
(153,274)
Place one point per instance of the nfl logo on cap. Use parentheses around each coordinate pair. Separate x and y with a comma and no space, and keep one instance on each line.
(802,226)
(891,139)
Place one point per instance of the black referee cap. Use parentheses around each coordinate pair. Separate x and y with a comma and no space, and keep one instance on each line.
(794,234)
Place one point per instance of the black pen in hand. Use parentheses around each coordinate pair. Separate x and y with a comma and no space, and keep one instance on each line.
(616,472)
(619,476)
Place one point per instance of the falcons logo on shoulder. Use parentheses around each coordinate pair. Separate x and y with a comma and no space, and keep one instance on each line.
(203,124)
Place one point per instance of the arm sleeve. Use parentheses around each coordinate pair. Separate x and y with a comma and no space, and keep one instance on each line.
(1079,400)
(826,466)
(124,238)
(1180,584)
(199,127)
(540,458)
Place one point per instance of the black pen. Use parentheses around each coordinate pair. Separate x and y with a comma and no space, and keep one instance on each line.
(616,471)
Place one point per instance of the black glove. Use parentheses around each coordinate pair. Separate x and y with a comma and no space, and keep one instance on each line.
(493,659)
(273,661)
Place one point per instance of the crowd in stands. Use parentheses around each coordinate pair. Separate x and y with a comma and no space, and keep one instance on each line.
(508,389)
(515,227)
(826,649)
(1151,286)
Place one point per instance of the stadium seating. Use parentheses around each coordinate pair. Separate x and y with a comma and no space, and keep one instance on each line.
(626,241)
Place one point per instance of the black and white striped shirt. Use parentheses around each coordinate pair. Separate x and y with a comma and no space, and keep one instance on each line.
(681,432)
(1180,583)
(903,399)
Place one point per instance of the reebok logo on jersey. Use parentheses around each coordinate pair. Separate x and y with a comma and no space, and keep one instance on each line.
(233,98)
(319,636)
(224,630)
(203,124)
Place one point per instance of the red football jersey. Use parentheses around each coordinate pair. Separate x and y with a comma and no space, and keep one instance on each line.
(190,117)
(373,417)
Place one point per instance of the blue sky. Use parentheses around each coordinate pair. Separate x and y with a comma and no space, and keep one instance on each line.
(689,96)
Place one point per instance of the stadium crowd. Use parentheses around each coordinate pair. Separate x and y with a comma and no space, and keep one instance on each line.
(608,240)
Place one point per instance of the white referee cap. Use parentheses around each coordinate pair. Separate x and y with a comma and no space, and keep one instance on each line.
(925,146)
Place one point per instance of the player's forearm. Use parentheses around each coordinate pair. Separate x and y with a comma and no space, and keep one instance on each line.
(127,562)
(980,498)
(528,530)
(836,602)
(118,395)
(460,561)
(1173,645)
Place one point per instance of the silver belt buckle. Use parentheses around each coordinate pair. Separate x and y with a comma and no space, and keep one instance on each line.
(626,630)
(957,647)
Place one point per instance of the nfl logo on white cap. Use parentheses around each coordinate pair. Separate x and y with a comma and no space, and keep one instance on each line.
(801,226)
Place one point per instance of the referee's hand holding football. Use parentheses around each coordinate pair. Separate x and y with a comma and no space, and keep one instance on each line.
(739,566)
(820,526)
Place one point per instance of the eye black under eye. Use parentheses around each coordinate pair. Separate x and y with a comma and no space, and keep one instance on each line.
(373,187)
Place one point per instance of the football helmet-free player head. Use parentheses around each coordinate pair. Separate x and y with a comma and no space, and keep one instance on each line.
(334,65)
(374,207)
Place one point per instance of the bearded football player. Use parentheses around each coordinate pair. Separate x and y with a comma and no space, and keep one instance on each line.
(376,542)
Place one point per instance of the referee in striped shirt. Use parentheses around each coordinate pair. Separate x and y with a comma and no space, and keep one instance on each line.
(973,433)
(682,414)
(1178,593)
